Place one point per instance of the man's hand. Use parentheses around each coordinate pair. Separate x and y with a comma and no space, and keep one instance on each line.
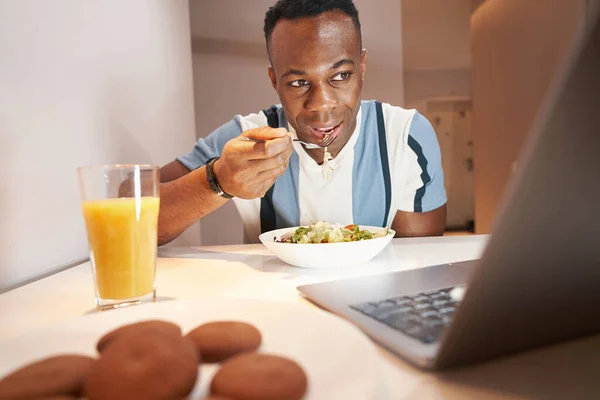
(248,169)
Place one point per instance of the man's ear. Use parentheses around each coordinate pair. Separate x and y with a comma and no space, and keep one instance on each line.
(363,63)
(272,76)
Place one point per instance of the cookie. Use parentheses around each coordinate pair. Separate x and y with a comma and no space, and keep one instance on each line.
(219,340)
(155,366)
(255,376)
(53,376)
(55,398)
(137,329)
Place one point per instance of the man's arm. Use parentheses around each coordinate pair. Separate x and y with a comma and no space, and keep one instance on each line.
(173,170)
(184,199)
(421,209)
(410,224)
(185,195)
(245,170)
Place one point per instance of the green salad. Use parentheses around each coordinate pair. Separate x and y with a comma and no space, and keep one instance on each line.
(323,232)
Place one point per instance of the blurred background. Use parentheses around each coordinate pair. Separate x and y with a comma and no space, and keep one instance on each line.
(138,81)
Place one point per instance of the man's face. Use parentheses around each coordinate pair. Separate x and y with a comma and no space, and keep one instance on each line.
(317,69)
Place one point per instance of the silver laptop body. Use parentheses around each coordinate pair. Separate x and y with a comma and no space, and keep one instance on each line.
(538,280)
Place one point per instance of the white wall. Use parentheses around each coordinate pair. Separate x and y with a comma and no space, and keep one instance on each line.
(82,82)
(230,77)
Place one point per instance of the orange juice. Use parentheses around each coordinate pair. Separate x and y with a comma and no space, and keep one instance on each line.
(122,234)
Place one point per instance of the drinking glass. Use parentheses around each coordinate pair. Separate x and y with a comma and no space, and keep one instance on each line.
(120,205)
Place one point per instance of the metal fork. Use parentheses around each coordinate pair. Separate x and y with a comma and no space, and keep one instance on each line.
(324,143)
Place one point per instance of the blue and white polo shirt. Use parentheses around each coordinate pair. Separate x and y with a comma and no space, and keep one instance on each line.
(391,162)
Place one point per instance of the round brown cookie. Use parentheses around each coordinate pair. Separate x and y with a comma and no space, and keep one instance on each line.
(137,329)
(219,340)
(55,398)
(255,376)
(52,376)
(154,366)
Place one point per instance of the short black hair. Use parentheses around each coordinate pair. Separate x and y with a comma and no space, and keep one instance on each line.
(293,9)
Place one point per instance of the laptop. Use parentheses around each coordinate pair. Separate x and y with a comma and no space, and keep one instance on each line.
(538,279)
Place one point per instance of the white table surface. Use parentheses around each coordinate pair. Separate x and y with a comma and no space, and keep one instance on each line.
(566,371)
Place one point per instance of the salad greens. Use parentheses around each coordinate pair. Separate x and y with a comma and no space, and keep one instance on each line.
(323,232)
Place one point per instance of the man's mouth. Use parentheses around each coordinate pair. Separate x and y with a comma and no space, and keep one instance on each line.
(320,131)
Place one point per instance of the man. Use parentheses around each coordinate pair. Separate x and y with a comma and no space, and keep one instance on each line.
(383,167)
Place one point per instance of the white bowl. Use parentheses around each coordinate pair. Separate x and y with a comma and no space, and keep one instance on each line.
(325,255)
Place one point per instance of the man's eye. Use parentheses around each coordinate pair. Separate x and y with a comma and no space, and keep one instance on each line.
(342,76)
(299,83)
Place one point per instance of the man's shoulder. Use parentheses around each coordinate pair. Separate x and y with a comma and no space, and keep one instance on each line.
(262,117)
(274,108)
(396,119)
(371,106)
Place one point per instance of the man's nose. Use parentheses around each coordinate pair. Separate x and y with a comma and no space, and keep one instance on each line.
(321,98)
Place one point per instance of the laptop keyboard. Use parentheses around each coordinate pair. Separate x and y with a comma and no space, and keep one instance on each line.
(422,316)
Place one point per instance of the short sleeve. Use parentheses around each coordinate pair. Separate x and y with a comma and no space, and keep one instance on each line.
(212,145)
(424,178)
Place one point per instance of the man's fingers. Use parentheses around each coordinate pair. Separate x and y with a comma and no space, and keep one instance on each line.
(252,165)
(270,149)
(271,162)
(272,174)
(265,133)
(249,150)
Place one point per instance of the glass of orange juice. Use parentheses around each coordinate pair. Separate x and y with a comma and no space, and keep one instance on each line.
(120,206)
